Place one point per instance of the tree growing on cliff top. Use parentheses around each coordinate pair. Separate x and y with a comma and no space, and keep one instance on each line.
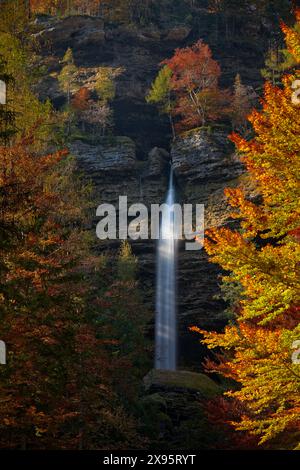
(105,85)
(160,94)
(81,98)
(263,257)
(68,74)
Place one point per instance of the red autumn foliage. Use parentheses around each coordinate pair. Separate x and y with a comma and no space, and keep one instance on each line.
(221,412)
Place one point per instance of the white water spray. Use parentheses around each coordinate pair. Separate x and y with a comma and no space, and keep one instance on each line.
(165,326)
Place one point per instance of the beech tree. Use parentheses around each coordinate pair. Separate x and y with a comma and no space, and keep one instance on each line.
(105,83)
(262,257)
(128,319)
(194,83)
(99,115)
(14,16)
(80,103)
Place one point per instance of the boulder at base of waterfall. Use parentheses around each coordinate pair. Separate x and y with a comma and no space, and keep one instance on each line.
(173,411)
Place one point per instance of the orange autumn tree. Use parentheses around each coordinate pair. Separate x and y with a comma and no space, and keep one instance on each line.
(194,82)
(65,7)
(263,259)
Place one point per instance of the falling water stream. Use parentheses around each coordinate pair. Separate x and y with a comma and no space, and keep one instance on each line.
(165,326)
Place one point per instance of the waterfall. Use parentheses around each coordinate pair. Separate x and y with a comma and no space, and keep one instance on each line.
(165,326)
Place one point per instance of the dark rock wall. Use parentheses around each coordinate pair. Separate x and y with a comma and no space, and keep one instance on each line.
(238,42)
(204,162)
(202,169)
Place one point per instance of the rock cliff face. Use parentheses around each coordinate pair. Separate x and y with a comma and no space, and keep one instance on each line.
(138,165)
(173,410)
(137,52)
(203,167)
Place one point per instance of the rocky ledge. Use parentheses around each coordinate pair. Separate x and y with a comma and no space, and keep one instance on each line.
(205,164)
(108,155)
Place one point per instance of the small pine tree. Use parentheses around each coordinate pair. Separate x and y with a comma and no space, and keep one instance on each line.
(68,74)
(68,82)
